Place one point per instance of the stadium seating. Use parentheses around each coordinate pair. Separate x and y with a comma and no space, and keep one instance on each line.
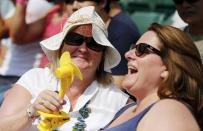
(144,19)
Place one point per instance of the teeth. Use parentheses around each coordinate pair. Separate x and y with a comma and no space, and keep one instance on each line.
(133,71)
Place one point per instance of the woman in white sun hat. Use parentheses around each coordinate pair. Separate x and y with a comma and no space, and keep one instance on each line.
(85,37)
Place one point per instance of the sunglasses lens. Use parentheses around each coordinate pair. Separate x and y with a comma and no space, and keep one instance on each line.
(73,39)
(138,52)
(92,44)
(141,49)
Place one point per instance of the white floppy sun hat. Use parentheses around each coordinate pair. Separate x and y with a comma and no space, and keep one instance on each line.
(86,15)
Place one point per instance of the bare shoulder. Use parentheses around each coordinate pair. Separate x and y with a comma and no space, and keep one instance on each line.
(169,115)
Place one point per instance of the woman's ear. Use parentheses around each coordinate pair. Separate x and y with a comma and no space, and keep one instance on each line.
(164,74)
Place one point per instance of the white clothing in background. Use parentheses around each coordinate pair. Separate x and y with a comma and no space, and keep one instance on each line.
(36,9)
(19,59)
(177,21)
(7,8)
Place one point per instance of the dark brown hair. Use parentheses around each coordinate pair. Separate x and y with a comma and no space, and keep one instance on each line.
(107,5)
(103,77)
(183,62)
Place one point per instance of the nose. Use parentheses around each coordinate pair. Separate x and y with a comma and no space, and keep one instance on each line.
(129,54)
(75,5)
(83,47)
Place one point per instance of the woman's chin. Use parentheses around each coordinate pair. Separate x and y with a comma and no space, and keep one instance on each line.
(81,64)
(126,85)
(128,81)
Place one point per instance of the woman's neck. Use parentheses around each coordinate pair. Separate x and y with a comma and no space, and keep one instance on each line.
(146,101)
(115,9)
(105,17)
(77,89)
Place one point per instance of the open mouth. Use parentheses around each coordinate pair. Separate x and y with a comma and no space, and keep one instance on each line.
(133,70)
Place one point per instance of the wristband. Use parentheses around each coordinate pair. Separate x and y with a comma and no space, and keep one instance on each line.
(21,2)
(32,113)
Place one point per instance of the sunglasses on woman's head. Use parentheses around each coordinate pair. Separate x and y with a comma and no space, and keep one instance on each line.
(76,39)
(180,2)
(143,48)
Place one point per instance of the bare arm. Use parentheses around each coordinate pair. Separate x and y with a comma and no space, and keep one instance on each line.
(22,33)
(13,110)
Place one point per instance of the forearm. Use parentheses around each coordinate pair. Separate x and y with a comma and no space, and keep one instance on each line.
(13,111)
(23,33)
(17,122)
(18,24)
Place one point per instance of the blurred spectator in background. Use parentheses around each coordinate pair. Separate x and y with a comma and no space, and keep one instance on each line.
(7,8)
(22,47)
(191,12)
(177,21)
(121,29)
(115,8)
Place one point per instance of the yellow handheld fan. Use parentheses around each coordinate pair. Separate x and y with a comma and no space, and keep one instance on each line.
(65,73)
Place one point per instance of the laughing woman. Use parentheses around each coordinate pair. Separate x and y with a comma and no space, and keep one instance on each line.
(165,74)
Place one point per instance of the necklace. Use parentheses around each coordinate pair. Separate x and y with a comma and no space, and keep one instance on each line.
(84,112)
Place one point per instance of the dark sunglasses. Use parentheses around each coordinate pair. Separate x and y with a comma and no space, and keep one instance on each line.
(143,48)
(180,2)
(76,39)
